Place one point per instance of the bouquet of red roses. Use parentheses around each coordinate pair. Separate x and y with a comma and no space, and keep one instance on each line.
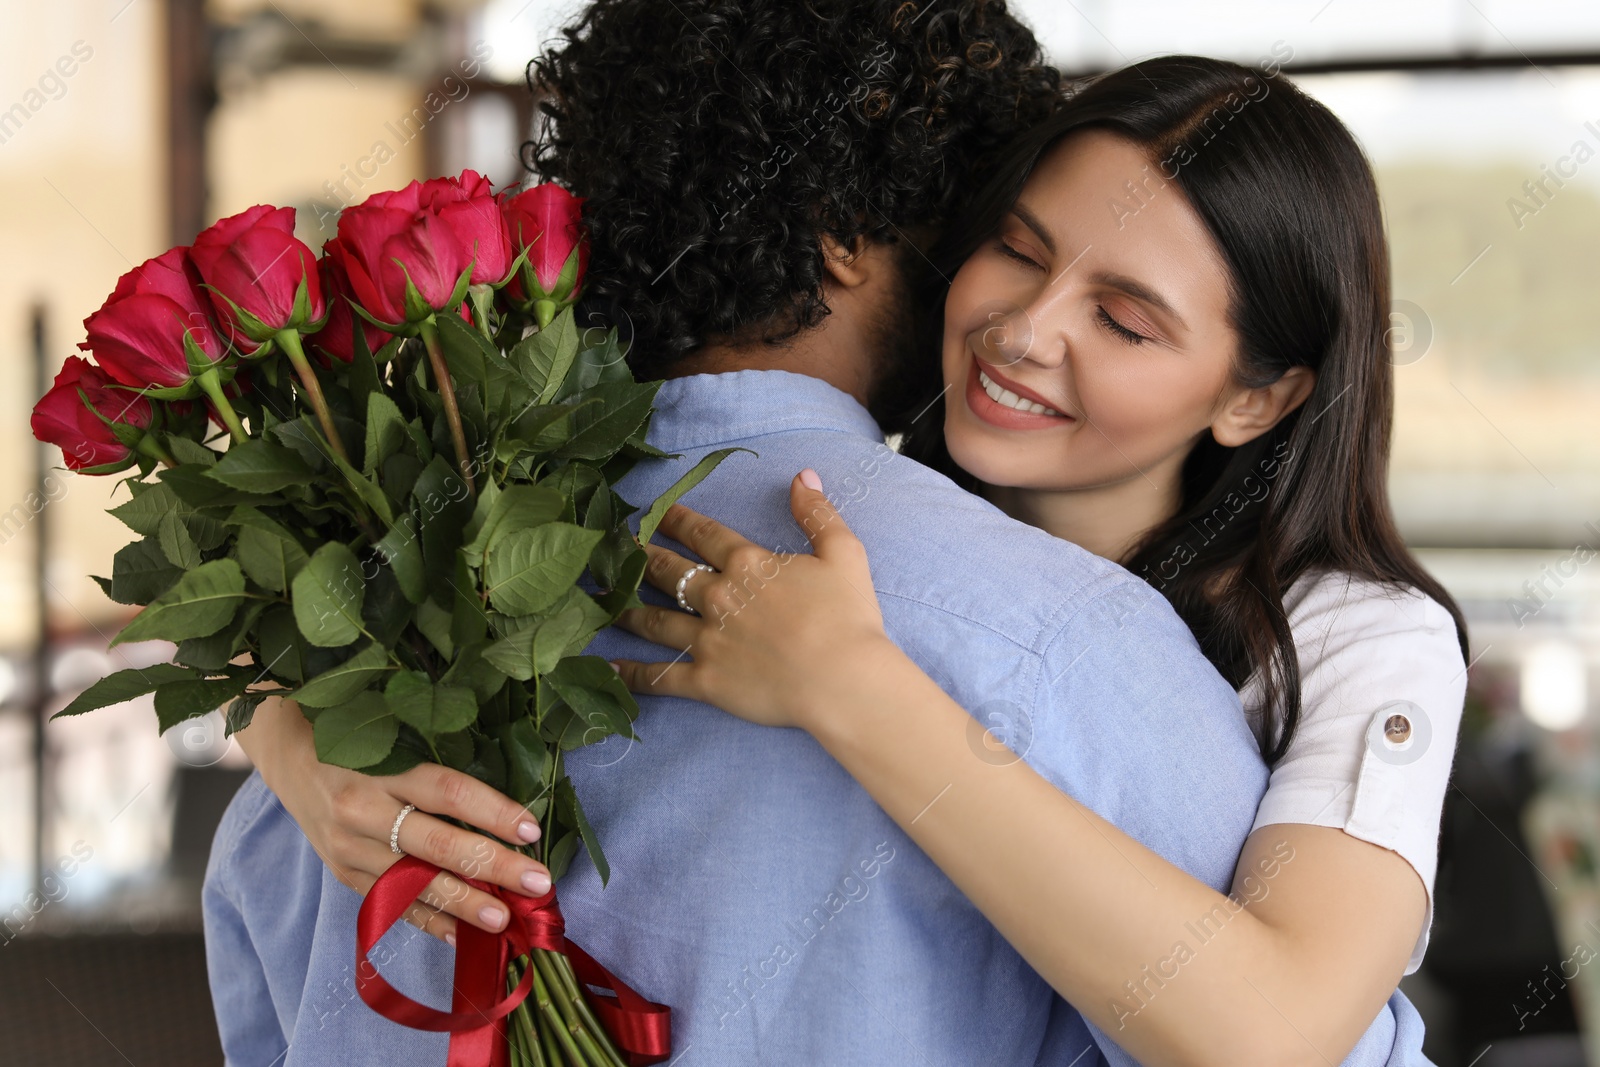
(374,483)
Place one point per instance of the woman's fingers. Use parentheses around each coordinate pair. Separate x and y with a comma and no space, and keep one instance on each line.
(659,679)
(427,919)
(664,568)
(830,536)
(445,791)
(663,626)
(706,537)
(471,855)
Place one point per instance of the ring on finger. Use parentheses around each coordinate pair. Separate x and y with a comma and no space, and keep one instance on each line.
(683,584)
(394,831)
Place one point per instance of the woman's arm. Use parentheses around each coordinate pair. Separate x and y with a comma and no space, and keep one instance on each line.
(347,816)
(1174,971)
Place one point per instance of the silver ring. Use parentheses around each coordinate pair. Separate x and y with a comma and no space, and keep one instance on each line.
(394,832)
(683,584)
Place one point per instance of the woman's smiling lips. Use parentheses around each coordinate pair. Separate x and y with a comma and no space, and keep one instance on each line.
(995,399)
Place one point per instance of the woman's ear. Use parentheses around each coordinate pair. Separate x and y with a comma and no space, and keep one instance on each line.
(845,264)
(1249,413)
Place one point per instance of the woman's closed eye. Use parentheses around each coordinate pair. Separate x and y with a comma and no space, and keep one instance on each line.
(1005,248)
(1132,337)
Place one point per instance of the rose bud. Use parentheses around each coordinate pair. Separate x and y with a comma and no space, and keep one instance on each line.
(546,222)
(262,279)
(155,329)
(105,432)
(336,339)
(413,252)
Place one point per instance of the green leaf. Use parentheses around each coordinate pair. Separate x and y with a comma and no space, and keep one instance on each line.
(357,733)
(442,505)
(488,763)
(434,622)
(591,688)
(401,758)
(624,591)
(466,351)
(213,653)
(343,682)
(140,572)
(472,671)
(259,466)
(697,474)
(567,797)
(403,553)
(200,603)
(176,543)
(599,430)
(143,514)
(528,760)
(180,700)
(241,712)
(430,708)
(123,686)
(528,570)
(186,451)
(544,358)
(538,649)
(518,507)
(386,431)
(268,552)
(194,486)
(365,488)
(281,651)
(327,597)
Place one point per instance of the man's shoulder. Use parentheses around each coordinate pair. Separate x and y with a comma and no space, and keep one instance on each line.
(932,543)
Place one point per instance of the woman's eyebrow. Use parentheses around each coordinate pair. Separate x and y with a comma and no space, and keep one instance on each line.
(1031,221)
(1139,291)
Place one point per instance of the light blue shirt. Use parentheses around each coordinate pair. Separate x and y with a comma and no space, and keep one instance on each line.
(755,887)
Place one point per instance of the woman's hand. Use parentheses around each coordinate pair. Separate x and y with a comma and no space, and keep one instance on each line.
(776,633)
(347,816)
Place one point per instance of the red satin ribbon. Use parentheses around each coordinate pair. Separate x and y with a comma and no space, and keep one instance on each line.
(640,1028)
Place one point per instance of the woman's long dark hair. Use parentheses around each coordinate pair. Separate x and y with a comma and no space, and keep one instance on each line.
(1290,200)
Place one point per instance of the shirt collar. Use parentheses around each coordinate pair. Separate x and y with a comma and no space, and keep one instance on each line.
(706,409)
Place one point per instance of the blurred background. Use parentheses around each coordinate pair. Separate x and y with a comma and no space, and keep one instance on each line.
(126,126)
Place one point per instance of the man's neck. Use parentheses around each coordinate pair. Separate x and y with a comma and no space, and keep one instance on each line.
(834,352)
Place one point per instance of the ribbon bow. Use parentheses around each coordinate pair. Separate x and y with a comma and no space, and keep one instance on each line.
(640,1028)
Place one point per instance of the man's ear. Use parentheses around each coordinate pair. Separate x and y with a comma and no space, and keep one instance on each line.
(1249,413)
(845,263)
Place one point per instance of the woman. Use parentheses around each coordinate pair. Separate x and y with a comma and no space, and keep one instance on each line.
(1166,342)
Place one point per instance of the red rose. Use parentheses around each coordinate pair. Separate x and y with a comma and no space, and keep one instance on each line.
(152,322)
(336,339)
(548,222)
(61,418)
(432,238)
(262,278)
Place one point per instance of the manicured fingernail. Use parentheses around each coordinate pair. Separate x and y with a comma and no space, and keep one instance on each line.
(810,479)
(615,666)
(528,831)
(491,916)
(536,882)
(450,939)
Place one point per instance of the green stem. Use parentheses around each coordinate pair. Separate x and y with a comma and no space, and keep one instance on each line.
(447,393)
(289,341)
(556,970)
(526,1042)
(150,446)
(211,384)
(554,1024)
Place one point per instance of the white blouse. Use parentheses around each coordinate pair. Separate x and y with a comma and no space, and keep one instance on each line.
(1382,687)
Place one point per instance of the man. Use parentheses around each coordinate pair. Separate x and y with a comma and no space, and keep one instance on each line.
(760,176)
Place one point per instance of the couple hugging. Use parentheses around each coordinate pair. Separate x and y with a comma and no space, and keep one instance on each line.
(1105,718)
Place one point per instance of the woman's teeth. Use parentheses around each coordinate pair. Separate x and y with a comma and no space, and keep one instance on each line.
(1006,398)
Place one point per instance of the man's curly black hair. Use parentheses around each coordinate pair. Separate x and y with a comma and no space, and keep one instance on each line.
(716,140)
